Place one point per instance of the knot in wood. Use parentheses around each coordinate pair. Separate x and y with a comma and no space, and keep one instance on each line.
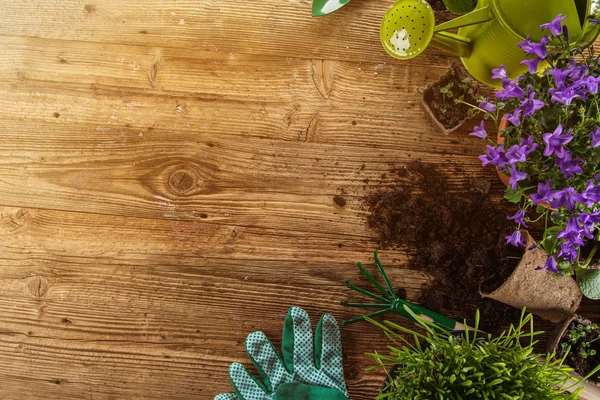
(13,219)
(182,181)
(38,287)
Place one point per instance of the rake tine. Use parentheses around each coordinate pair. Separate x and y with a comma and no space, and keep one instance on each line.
(371,315)
(366,293)
(373,280)
(363,305)
(384,275)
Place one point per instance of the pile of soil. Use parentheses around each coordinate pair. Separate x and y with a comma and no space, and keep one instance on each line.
(444,108)
(582,366)
(437,5)
(458,238)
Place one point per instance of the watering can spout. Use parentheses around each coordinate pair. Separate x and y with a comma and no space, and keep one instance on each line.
(451,43)
(454,44)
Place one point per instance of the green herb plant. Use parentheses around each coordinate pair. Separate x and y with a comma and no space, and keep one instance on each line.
(582,335)
(449,95)
(442,365)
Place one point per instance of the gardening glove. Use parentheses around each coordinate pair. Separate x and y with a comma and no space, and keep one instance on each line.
(303,372)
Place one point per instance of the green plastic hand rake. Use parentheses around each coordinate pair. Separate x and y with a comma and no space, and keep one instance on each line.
(388,301)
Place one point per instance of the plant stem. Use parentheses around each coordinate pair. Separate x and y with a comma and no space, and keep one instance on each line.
(588,260)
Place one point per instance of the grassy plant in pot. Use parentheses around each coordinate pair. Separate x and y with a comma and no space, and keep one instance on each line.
(550,152)
(470,365)
(445,100)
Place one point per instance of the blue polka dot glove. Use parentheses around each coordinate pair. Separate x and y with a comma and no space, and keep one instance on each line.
(304,371)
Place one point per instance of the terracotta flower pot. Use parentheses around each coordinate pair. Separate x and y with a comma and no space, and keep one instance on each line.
(541,292)
(503,125)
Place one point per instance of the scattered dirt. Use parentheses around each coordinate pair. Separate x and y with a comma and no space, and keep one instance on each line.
(339,201)
(437,5)
(582,366)
(442,105)
(458,238)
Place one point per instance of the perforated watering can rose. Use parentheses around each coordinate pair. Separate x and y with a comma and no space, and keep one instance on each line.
(489,35)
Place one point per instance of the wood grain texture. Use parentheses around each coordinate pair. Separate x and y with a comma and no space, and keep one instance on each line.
(167,174)
(233,26)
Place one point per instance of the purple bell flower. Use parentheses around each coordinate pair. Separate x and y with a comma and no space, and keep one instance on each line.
(530,144)
(568,252)
(597,177)
(531,48)
(519,218)
(595,136)
(551,266)
(567,198)
(577,71)
(516,154)
(572,233)
(531,105)
(500,73)
(555,142)
(494,156)
(591,193)
(510,90)
(544,193)
(565,96)
(479,131)
(514,118)
(560,77)
(555,27)
(515,177)
(565,32)
(589,220)
(532,65)
(591,84)
(487,106)
(516,239)
(569,166)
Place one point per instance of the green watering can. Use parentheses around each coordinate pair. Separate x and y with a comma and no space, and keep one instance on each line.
(487,36)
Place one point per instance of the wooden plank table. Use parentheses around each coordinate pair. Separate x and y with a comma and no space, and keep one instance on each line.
(167,174)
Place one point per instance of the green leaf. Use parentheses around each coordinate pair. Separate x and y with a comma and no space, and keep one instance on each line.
(540,209)
(557,217)
(550,239)
(588,281)
(460,6)
(514,196)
